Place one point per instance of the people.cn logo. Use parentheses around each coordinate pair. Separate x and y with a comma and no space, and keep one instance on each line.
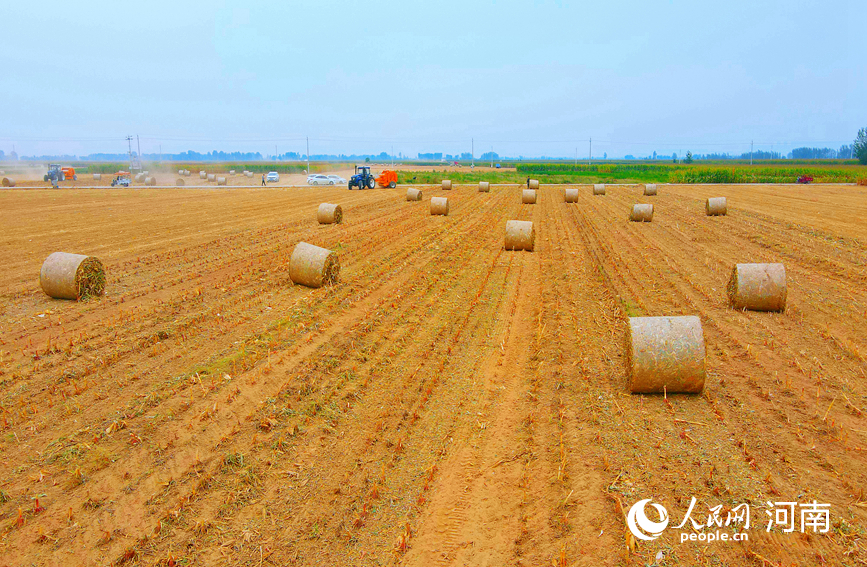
(643,527)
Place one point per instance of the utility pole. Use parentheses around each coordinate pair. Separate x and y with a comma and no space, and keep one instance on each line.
(576,155)
(275,153)
(472,152)
(751,152)
(492,157)
(590,156)
(129,145)
(392,156)
(138,144)
(161,153)
(308,155)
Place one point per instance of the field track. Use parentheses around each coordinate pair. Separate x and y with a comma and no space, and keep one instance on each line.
(447,403)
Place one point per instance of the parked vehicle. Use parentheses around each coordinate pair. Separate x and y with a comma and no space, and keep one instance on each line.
(318,179)
(337,179)
(122,179)
(272,177)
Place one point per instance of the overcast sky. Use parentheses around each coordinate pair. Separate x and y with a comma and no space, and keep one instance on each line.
(526,78)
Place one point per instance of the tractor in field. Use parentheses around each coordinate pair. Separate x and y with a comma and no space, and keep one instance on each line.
(804,179)
(387,178)
(362,178)
(58,173)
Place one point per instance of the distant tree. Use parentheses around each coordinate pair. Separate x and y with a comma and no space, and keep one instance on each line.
(605,155)
(688,157)
(845,152)
(367,160)
(629,156)
(654,154)
(674,157)
(859,147)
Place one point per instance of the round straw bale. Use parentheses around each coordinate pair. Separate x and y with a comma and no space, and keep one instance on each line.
(329,213)
(249,174)
(221,181)
(97,176)
(571,195)
(180,172)
(534,184)
(520,235)
(650,189)
(72,276)
(665,354)
(528,196)
(150,181)
(641,213)
(484,187)
(313,266)
(758,287)
(716,206)
(146,173)
(447,184)
(8,182)
(203,175)
(231,172)
(211,177)
(413,194)
(439,206)
(139,178)
(599,189)
(180,182)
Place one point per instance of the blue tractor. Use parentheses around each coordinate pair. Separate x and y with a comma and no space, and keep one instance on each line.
(362,178)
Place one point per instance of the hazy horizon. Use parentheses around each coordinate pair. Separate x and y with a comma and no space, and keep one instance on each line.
(521,79)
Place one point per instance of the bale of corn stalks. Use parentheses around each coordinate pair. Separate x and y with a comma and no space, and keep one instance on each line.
(8,182)
(599,189)
(97,176)
(151,181)
(447,184)
(180,182)
(484,187)
(520,235)
(203,175)
(715,206)
(758,287)
(570,195)
(413,194)
(221,181)
(329,213)
(641,213)
(665,355)
(650,189)
(534,184)
(72,276)
(439,206)
(528,196)
(212,177)
(313,266)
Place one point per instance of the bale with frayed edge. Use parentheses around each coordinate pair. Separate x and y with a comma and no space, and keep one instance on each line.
(447,184)
(570,195)
(665,355)
(72,276)
(641,213)
(150,181)
(439,206)
(212,177)
(8,182)
(484,187)
(180,182)
(650,189)
(528,196)
(248,173)
(715,206)
(203,175)
(221,181)
(520,235)
(534,184)
(139,178)
(413,194)
(329,213)
(231,172)
(97,176)
(758,287)
(599,189)
(313,266)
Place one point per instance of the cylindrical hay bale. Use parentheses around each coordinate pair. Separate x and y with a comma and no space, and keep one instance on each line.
(72,276)
(413,194)
(139,177)
(221,181)
(180,182)
(650,189)
(571,195)
(146,173)
(484,187)
(231,172)
(212,177)
(534,184)
(447,184)
(8,182)
(97,176)
(758,287)
(520,235)
(180,172)
(528,196)
(665,355)
(716,206)
(187,172)
(249,174)
(329,213)
(599,189)
(439,206)
(641,213)
(203,175)
(313,266)
(150,181)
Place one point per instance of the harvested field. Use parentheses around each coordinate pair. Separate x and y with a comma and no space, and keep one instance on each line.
(446,402)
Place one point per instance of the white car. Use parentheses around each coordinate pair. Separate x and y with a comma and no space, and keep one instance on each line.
(337,179)
(273,177)
(317,179)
